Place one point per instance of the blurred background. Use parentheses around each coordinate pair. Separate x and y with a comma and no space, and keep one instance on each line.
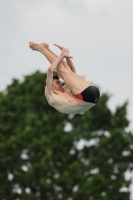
(98,33)
(99,36)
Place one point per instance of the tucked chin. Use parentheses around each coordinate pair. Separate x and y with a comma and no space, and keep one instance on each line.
(61,89)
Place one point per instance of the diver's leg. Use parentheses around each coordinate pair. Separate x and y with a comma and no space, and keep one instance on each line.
(46,51)
(74,82)
(51,57)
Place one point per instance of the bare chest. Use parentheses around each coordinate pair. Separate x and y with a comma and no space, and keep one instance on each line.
(68,103)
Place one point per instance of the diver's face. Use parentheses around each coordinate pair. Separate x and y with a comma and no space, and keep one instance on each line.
(57,85)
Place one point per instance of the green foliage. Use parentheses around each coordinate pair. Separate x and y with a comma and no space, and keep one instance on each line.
(41,160)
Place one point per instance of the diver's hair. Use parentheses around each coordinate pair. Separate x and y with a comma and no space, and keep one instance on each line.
(55,76)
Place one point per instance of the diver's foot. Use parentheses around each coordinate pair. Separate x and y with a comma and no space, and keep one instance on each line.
(38,47)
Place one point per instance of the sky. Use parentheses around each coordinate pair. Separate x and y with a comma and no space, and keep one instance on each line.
(99,34)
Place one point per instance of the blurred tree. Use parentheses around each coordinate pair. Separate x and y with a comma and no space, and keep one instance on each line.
(41,156)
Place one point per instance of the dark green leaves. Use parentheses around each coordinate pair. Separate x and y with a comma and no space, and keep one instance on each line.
(47,155)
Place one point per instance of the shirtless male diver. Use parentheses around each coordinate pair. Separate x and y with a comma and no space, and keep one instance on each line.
(78,95)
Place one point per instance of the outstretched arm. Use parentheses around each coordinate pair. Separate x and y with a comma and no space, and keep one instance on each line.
(52,67)
(68,60)
(71,65)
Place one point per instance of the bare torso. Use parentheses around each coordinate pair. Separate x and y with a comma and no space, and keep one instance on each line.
(66,102)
